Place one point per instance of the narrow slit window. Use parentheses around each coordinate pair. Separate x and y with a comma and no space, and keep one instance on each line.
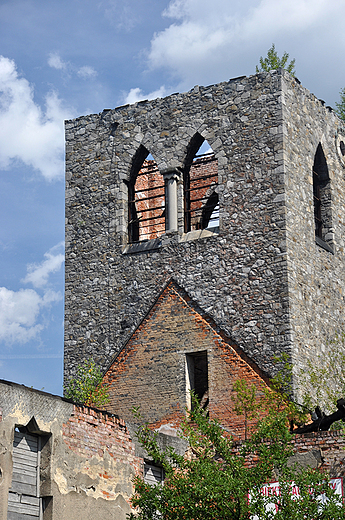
(197,377)
(146,199)
(322,197)
(200,182)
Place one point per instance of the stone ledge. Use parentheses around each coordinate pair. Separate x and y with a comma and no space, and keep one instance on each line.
(199,233)
(324,245)
(140,247)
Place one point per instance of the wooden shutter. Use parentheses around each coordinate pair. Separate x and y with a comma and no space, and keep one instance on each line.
(23,498)
(153,474)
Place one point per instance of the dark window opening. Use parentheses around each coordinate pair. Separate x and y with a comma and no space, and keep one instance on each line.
(322,197)
(146,199)
(153,474)
(342,148)
(197,377)
(200,180)
(210,212)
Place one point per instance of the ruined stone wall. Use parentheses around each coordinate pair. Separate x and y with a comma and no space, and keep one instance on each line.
(316,276)
(88,458)
(238,276)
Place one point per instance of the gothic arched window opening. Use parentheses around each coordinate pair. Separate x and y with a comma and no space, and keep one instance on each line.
(200,181)
(322,198)
(146,199)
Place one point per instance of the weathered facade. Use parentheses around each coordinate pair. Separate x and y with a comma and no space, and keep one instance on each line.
(60,461)
(266,276)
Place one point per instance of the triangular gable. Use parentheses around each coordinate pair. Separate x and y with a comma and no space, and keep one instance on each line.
(151,370)
(173,286)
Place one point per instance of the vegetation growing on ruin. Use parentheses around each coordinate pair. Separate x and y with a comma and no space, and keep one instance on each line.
(87,387)
(216,481)
(273,62)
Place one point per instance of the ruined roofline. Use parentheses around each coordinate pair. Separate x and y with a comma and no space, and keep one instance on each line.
(54,396)
(197,88)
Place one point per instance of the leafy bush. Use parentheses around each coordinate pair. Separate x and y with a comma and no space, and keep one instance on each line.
(214,481)
(87,387)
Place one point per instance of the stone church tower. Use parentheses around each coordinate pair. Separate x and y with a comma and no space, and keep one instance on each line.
(253,233)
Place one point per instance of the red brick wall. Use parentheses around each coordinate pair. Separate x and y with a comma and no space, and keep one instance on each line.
(90,433)
(203,173)
(332,446)
(150,178)
(150,371)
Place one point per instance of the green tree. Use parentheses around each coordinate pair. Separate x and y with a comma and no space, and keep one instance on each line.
(273,62)
(215,480)
(245,402)
(87,387)
(340,110)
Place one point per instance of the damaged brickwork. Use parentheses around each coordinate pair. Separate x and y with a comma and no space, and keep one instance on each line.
(87,458)
(262,277)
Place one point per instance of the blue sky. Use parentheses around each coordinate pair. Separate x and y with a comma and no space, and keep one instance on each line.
(61,59)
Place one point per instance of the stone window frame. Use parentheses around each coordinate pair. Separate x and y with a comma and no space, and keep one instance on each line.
(43,479)
(133,225)
(322,201)
(174,191)
(340,145)
(194,145)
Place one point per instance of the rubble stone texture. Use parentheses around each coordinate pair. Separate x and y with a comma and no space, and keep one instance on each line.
(261,277)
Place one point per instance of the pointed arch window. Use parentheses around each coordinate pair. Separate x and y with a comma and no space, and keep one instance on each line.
(146,199)
(322,201)
(200,182)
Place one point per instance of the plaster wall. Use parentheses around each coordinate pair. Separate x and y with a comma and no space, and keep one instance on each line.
(88,460)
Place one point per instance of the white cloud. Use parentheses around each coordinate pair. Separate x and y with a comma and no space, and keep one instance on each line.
(121,14)
(21,312)
(136,94)
(56,62)
(207,38)
(27,133)
(87,72)
(18,314)
(38,274)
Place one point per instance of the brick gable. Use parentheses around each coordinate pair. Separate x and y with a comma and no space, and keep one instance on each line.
(151,371)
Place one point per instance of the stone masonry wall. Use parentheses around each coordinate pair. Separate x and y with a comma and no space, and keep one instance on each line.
(88,460)
(238,276)
(316,276)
